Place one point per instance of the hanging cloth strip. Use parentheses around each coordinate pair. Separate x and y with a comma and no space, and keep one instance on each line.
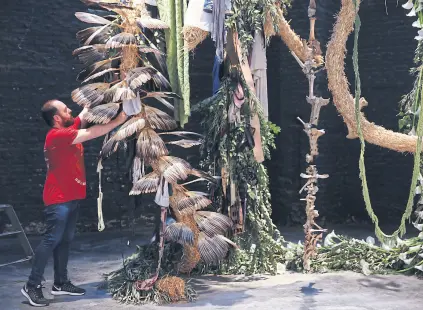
(258,65)
(100,199)
(234,53)
(218,27)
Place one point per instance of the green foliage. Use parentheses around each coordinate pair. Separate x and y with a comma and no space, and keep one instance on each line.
(261,243)
(250,15)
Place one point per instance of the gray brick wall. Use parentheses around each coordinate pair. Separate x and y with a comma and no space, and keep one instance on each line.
(36,64)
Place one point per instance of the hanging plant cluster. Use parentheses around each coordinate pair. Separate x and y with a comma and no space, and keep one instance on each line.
(119,55)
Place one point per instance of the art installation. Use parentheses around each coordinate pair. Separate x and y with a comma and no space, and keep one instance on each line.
(136,58)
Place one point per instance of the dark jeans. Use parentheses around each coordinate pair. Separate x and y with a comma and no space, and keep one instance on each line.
(61,224)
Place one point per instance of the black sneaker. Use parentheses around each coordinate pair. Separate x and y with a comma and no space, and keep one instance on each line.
(67,289)
(35,296)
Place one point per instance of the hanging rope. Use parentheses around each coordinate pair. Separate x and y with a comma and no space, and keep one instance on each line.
(384,238)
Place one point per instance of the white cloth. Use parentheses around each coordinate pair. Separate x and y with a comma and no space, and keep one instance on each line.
(196,17)
(258,65)
(162,195)
(132,106)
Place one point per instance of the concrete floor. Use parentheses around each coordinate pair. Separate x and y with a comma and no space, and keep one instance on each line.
(96,253)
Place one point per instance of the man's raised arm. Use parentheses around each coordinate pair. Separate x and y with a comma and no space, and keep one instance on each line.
(99,130)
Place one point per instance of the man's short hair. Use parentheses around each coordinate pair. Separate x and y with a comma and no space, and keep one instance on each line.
(48,111)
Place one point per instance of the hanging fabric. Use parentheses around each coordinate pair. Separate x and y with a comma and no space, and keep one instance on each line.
(100,225)
(258,65)
(234,53)
(218,27)
(162,194)
(216,74)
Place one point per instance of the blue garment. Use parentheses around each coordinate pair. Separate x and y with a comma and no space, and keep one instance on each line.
(216,74)
(61,224)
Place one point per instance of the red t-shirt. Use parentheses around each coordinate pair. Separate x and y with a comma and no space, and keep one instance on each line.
(65,166)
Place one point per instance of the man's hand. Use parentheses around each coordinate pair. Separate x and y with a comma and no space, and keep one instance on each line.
(121,118)
(82,117)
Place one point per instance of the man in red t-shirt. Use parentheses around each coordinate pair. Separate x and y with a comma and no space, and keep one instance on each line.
(64,187)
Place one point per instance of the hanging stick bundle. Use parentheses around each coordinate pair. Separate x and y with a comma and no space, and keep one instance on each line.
(313,232)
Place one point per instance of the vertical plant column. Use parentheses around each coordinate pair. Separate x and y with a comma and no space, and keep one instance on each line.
(313,232)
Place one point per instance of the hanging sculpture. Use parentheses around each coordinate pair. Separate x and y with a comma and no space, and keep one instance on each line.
(118,55)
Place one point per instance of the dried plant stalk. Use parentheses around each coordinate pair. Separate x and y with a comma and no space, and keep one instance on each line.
(313,232)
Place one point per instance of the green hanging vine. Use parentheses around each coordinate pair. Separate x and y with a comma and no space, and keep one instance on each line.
(384,238)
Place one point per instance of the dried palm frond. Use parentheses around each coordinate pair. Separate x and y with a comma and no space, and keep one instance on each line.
(203,175)
(90,95)
(184,134)
(165,103)
(90,54)
(212,223)
(123,93)
(130,127)
(103,114)
(173,168)
(147,49)
(121,39)
(110,93)
(100,34)
(110,147)
(125,131)
(179,232)
(91,18)
(150,146)
(165,94)
(96,34)
(192,203)
(186,143)
(212,250)
(151,23)
(94,76)
(139,76)
(95,67)
(101,2)
(147,184)
(159,119)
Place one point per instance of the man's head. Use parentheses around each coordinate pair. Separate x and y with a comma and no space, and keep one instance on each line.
(57,114)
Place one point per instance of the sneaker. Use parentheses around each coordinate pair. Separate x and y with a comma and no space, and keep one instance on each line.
(35,296)
(67,289)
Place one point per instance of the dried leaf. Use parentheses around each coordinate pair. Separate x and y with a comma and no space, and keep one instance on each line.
(186,143)
(212,223)
(192,203)
(90,54)
(95,67)
(212,250)
(159,119)
(129,128)
(100,34)
(147,184)
(91,18)
(93,34)
(90,95)
(123,38)
(150,146)
(139,76)
(103,114)
(151,23)
(179,232)
(165,103)
(123,93)
(184,134)
(173,168)
(94,76)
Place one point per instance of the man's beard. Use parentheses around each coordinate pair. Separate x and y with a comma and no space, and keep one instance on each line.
(69,122)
